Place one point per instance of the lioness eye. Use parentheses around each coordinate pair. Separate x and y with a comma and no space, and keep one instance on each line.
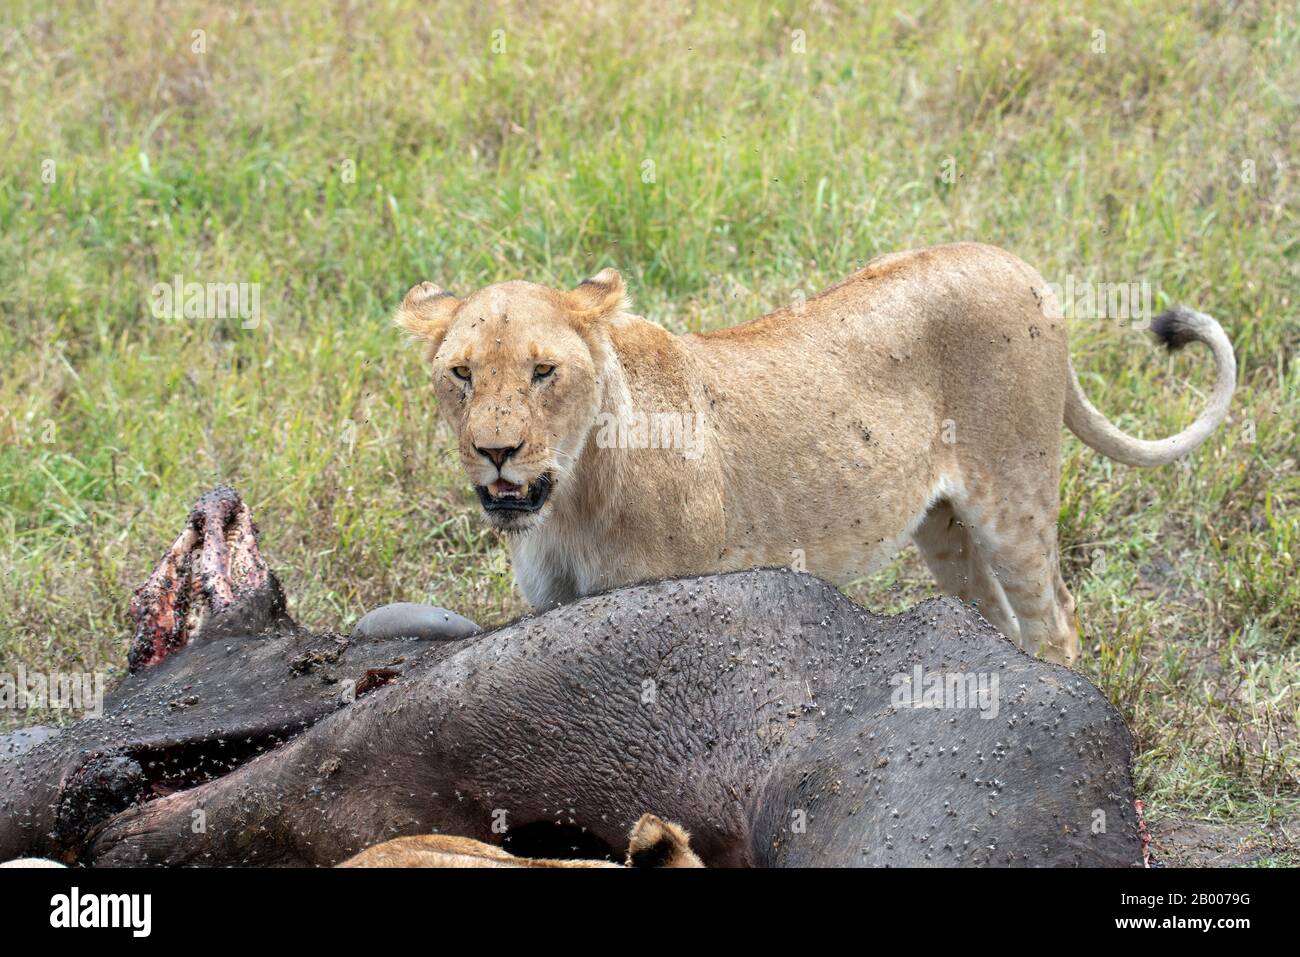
(542,371)
(461,372)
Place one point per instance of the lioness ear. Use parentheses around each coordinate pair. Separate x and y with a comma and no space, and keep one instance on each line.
(654,842)
(426,312)
(602,295)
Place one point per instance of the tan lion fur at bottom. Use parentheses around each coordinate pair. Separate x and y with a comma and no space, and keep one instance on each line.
(31,862)
(652,842)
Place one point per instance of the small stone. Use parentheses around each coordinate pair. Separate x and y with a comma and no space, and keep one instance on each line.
(405,619)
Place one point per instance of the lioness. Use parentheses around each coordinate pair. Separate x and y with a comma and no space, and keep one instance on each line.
(921,398)
(652,842)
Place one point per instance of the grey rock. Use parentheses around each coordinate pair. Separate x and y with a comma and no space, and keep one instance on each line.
(405,619)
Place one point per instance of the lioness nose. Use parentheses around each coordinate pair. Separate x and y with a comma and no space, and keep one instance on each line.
(497,456)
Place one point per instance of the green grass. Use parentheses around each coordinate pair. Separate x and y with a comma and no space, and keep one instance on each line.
(774,171)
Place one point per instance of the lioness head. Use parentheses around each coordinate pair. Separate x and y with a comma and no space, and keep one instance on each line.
(517,368)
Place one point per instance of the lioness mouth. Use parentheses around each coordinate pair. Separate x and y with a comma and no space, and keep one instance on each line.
(503,496)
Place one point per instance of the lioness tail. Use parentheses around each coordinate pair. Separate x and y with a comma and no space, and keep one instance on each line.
(1175,328)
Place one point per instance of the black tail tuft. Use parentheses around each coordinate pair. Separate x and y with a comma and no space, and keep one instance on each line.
(1175,328)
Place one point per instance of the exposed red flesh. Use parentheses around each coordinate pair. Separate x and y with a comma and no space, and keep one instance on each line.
(212,565)
(1144,834)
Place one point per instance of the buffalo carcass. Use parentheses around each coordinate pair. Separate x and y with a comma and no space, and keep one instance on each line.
(773,718)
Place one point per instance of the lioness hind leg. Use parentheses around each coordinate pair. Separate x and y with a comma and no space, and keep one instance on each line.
(945,543)
(1020,545)
(1043,607)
